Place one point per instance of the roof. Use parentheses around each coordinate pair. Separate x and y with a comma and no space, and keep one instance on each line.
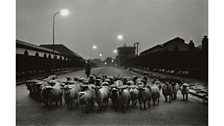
(151,49)
(124,47)
(177,39)
(23,44)
(62,49)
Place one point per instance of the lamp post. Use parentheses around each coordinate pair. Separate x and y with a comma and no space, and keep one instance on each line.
(63,12)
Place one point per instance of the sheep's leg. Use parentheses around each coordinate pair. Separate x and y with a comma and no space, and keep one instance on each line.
(149,103)
(183,96)
(166,98)
(127,104)
(144,105)
(186,97)
(135,103)
(140,104)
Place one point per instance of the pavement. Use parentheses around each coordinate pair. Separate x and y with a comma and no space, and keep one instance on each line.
(179,112)
(197,88)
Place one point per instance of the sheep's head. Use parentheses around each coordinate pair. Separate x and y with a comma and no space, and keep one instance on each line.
(114,90)
(96,88)
(84,87)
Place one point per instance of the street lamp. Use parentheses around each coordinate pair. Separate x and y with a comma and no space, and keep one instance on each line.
(100,54)
(94,47)
(115,51)
(63,12)
(122,38)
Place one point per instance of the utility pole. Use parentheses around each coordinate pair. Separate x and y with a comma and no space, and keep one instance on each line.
(136,43)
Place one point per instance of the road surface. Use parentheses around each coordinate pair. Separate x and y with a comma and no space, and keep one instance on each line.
(31,112)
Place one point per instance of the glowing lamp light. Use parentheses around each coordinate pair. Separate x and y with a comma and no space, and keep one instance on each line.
(64,12)
(94,47)
(120,37)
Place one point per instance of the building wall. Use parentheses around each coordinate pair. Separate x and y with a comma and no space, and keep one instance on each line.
(31,64)
(33,52)
(179,44)
(125,53)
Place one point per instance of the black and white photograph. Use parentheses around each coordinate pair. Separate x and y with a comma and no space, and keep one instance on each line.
(111,62)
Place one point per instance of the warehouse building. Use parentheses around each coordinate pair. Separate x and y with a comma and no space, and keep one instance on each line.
(32,59)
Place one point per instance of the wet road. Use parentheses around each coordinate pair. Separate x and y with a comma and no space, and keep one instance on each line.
(31,112)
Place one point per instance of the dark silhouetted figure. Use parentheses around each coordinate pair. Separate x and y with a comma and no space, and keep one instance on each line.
(88,68)
(26,53)
(205,56)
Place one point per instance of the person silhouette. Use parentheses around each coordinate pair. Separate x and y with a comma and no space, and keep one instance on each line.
(88,68)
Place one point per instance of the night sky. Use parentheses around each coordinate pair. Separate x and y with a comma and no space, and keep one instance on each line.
(98,22)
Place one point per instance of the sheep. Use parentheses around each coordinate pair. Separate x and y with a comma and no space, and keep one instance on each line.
(158,83)
(134,92)
(175,88)
(130,82)
(35,87)
(185,91)
(119,83)
(71,94)
(144,96)
(123,98)
(155,92)
(54,93)
(30,86)
(167,91)
(102,94)
(114,96)
(86,98)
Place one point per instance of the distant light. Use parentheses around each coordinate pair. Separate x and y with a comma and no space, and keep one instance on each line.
(112,61)
(120,37)
(105,63)
(94,47)
(64,12)
(115,51)
(100,54)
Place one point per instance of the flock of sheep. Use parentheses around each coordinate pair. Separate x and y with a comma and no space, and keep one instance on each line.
(123,92)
